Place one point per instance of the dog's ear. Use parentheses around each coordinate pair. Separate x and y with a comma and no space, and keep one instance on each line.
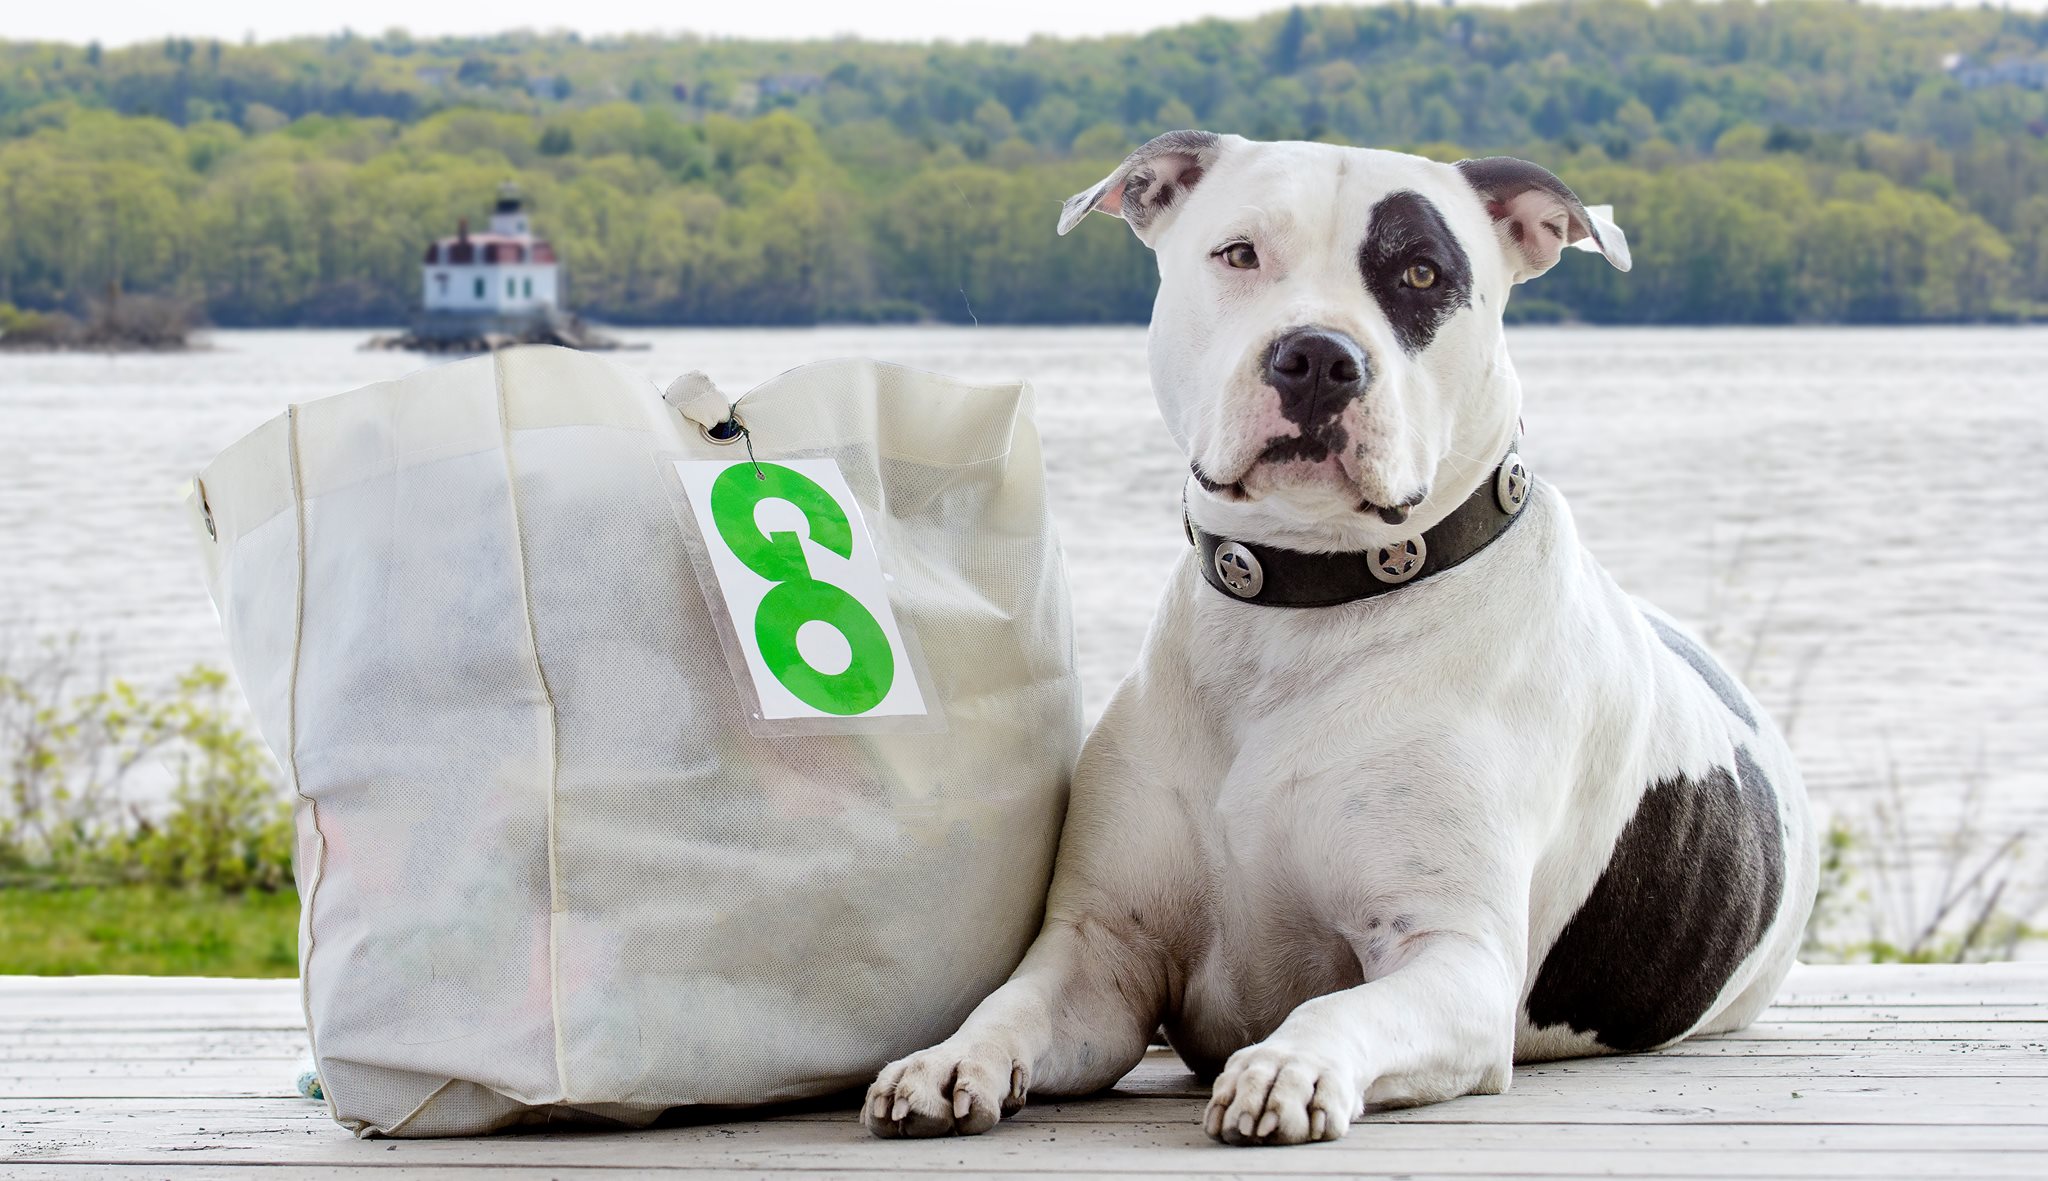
(1536,216)
(1150,181)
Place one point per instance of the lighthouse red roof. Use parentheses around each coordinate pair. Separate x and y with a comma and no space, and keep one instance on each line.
(489,248)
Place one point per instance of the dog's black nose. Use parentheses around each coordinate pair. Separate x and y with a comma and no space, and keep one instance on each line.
(1316,372)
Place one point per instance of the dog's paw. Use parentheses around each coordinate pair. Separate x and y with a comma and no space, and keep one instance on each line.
(1272,1095)
(946,1090)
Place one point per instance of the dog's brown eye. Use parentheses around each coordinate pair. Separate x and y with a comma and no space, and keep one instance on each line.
(1420,276)
(1240,256)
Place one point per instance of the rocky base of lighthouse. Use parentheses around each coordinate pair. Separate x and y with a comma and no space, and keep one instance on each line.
(457,333)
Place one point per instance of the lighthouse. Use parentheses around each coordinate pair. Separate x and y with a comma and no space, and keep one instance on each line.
(494,289)
(507,273)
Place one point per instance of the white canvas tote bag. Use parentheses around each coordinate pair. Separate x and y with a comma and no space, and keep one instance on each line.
(602,811)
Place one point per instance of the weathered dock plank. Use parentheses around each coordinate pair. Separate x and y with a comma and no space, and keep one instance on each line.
(1858,1072)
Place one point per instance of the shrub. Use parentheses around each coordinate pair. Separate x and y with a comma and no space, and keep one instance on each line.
(20,328)
(74,741)
(1882,901)
(228,825)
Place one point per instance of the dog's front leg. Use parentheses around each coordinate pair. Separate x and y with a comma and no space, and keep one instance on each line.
(1439,1026)
(1074,1018)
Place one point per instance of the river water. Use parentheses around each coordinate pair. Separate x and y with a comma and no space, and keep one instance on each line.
(1857,518)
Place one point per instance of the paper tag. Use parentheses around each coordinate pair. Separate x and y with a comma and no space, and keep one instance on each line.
(801,581)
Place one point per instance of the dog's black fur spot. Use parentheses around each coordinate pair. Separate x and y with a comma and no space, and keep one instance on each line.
(1406,228)
(1706,666)
(1692,885)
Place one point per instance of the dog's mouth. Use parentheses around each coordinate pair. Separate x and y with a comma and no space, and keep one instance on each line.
(1308,456)
(1232,490)
(1324,468)
(1393,514)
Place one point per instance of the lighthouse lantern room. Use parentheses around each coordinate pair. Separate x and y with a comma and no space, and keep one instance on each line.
(507,272)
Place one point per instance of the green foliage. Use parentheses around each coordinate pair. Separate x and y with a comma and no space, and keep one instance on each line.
(72,745)
(1885,896)
(146,930)
(1778,240)
(1803,160)
(227,826)
(20,328)
(116,321)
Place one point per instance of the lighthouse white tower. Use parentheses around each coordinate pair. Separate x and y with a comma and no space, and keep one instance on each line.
(493,290)
(507,274)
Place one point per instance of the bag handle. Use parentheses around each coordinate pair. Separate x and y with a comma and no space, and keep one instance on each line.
(695,397)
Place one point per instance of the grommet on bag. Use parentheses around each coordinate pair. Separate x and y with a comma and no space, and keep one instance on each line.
(725,433)
(1239,570)
(1399,562)
(1511,486)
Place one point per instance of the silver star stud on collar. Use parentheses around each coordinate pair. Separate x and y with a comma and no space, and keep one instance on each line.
(1400,561)
(1511,486)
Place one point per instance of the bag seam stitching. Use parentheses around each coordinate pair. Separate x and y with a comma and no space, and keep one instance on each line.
(554,737)
(419,1107)
(292,463)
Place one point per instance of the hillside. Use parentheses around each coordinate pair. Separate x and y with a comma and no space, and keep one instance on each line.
(1797,161)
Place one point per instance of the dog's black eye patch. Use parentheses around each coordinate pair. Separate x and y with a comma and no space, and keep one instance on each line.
(1405,230)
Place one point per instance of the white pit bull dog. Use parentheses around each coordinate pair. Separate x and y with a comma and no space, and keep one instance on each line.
(1404,789)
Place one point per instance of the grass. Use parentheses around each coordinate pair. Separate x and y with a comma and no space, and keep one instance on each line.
(144,930)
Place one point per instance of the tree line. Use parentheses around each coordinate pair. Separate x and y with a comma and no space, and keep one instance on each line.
(1797,161)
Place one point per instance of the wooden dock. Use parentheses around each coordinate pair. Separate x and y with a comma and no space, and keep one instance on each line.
(1858,1072)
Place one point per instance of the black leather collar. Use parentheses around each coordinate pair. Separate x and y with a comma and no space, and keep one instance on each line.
(1275,577)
